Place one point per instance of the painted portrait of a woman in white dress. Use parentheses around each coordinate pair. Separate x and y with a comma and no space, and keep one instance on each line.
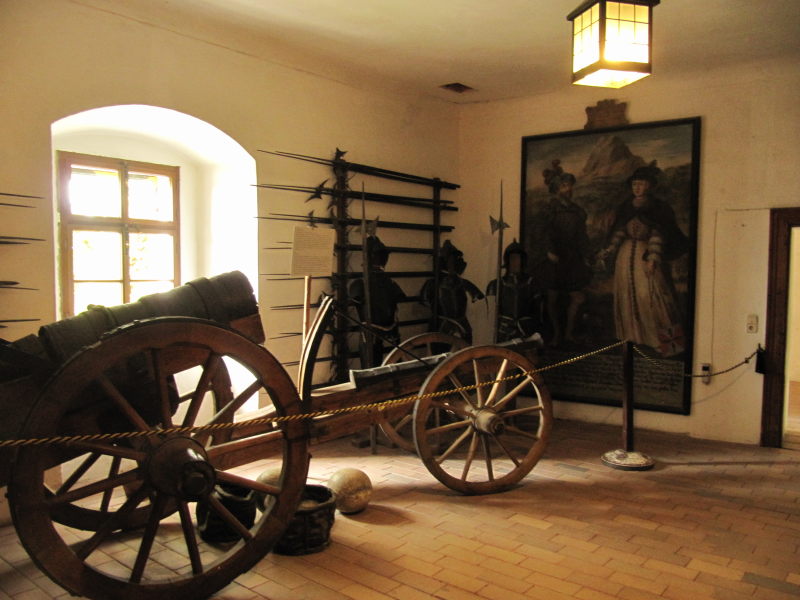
(644,239)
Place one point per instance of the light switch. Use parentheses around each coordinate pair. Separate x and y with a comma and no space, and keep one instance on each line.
(752,323)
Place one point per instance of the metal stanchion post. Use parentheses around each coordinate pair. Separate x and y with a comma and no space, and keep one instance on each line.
(626,458)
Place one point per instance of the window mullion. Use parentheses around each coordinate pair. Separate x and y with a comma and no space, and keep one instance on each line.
(126,275)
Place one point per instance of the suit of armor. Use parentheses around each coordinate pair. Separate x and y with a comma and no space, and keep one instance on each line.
(520,309)
(451,294)
(384,295)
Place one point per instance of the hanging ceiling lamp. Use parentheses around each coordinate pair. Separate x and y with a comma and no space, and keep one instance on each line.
(611,42)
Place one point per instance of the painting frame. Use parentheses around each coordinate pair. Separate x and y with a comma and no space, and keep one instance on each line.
(638,254)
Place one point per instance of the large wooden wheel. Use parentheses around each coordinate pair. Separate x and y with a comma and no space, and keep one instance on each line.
(481,439)
(424,344)
(140,495)
(90,515)
(397,425)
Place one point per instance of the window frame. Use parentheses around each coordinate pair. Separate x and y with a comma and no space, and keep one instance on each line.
(123,225)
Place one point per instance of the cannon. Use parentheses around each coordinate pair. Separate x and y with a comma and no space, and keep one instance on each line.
(130,428)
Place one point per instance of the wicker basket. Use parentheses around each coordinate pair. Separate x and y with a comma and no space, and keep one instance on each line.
(309,531)
(238,500)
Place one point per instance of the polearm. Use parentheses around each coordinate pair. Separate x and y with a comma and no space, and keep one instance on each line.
(397,249)
(365,267)
(349,275)
(10,195)
(8,240)
(499,270)
(357,248)
(21,196)
(408,299)
(306,308)
(311,218)
(319,191)
(498,226)
(338,161)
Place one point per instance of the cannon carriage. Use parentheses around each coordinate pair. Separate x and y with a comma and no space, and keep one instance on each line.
(130,429)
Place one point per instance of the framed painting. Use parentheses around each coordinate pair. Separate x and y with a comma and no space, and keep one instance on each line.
(609,226)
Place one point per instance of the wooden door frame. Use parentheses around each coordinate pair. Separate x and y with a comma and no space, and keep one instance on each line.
(781,222)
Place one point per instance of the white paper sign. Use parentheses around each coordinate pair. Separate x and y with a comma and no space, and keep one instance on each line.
(312,251)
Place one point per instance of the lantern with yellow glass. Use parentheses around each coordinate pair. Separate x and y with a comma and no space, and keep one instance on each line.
(611,42)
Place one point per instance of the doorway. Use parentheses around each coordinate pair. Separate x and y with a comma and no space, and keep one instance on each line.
(791,421)
(780,422)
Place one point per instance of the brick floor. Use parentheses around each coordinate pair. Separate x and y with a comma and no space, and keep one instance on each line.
(711,521)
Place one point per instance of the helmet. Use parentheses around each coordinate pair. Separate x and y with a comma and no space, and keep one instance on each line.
(377,251)
(514,248)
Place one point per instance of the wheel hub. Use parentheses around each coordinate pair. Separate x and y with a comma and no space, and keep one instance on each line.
(486,420)
(179,467)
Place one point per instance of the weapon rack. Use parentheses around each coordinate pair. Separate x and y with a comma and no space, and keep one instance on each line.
(342,198)
(14,201)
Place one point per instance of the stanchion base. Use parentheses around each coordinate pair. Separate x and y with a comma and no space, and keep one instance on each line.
(627,461)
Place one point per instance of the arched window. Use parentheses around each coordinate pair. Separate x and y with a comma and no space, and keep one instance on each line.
(214,218)
(119,229)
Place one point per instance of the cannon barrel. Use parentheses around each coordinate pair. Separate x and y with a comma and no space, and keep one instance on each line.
(27,363)
(227,298)
(223,298)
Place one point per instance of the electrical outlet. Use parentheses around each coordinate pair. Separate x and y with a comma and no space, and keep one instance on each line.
(752,324)
(705,369)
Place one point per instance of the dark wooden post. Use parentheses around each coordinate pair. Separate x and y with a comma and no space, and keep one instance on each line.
(626,458)
(437,244)
(627,397)
(339,216)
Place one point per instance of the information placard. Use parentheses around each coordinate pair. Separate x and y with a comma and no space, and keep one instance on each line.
(312,251)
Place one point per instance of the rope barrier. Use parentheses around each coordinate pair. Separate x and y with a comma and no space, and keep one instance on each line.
(374,407)
(696,375)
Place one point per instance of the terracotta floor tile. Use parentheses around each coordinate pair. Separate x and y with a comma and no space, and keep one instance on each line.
(712,521)
(454,593)
(460,580)
(419,582)
(639,583)
(495,592)
(362,592)
(592,594)
(598,584)
(405,592)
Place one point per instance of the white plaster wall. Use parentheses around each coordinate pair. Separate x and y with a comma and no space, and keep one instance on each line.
(60,58)
(749,157)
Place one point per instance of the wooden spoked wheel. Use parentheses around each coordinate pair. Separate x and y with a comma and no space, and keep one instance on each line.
(482,439)
(398,424)
(90,515)
(141,494)
(424,344)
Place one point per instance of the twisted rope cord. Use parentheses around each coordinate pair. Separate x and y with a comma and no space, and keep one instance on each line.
(374,407)
(696,375)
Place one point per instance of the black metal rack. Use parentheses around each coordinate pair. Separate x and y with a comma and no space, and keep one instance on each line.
(340,195)
(16,201)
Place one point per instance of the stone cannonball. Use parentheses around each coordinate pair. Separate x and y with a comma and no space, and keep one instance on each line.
(353,490)
(271,476)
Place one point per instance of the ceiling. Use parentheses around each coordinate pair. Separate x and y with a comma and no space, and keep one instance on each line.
(501,48)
